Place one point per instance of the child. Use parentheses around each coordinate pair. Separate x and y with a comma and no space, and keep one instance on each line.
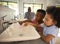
(38,19)
(50,25)
(39,16)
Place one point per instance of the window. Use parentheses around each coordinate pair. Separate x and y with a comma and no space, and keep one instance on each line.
(59,33)
(33,6)
(3,3)
(26,7)
(12,5)
(57,5)
(37,6)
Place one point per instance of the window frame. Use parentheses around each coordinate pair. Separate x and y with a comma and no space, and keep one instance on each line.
(33,5)
(8,4)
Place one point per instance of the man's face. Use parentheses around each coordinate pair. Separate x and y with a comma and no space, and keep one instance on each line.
(29,9)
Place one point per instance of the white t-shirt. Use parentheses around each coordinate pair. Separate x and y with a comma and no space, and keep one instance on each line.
(53,30)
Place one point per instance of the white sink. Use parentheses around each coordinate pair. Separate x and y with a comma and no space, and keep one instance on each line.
(16,32)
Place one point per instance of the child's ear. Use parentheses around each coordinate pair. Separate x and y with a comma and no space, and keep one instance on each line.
(55,22)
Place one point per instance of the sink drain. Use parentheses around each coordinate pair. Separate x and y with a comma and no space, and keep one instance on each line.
(21,35)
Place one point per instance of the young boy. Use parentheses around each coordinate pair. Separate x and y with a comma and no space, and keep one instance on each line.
(37,20)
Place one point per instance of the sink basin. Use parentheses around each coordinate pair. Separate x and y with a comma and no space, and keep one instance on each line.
(17,32)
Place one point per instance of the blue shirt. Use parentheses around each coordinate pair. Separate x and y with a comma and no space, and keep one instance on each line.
(53,30)
(29,15)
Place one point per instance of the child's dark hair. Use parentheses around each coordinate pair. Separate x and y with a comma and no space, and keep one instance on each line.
(42,12)
(55,13)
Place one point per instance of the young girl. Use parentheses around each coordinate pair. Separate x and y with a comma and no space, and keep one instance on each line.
(50,25)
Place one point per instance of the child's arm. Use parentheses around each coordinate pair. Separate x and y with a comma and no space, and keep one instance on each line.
(47,38)
(39,28)
(21,22)
(33,24)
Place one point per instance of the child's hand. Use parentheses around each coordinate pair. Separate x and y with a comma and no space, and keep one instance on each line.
(25,24)
(20,22)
